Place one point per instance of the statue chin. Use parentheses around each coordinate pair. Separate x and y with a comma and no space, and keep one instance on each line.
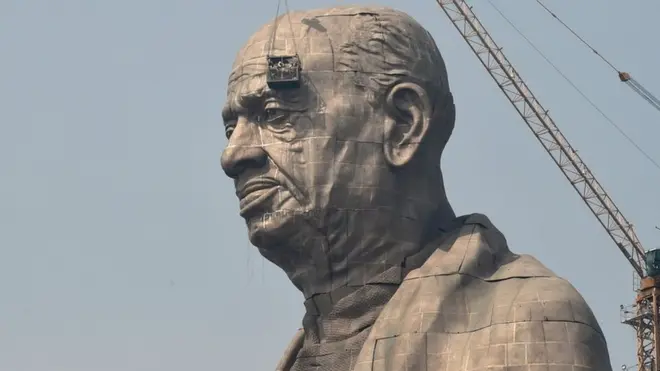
(276,229)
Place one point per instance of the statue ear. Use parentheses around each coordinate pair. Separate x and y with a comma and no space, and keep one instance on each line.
(408,117)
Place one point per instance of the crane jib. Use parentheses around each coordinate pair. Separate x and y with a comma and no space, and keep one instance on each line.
(545,130)
(581,178)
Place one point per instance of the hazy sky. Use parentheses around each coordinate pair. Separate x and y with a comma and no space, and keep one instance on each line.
(120,243)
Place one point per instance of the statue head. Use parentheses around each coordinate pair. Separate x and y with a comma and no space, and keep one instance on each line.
(356,147)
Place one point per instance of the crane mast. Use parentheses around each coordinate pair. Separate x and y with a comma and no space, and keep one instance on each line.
(644,317)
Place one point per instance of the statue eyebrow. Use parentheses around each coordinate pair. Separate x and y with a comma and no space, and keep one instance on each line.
(254,97)
(241,102)
(228,113)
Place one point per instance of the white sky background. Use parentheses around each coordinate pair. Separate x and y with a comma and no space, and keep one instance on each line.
(121,247)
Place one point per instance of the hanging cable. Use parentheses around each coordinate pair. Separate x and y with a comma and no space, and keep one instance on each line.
(607,118)
(578,36)
(639,89)
(623,76)
(275,25)
(273,31)
(283,71)
(288,17)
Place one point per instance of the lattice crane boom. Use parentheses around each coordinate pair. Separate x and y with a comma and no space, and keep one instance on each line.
(542,125)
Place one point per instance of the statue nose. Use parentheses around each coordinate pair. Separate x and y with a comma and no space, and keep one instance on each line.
(243,151)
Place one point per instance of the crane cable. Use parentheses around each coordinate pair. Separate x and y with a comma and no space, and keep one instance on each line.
(607,118)
(273,31)
(635,85)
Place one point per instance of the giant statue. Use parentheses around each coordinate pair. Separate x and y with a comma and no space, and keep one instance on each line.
(336,122)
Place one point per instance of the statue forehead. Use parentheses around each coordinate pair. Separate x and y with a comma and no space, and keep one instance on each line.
(315,35)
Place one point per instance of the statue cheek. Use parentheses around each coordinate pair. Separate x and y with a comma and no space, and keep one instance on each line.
(298,126)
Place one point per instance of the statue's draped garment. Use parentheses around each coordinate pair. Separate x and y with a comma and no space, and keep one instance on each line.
(472,305)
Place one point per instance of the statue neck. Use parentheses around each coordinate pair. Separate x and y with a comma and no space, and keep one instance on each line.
(368,259)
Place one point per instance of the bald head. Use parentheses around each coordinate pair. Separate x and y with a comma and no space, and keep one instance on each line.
(376,46)
(349,39)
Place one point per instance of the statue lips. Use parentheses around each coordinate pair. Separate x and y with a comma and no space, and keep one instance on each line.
(253,194)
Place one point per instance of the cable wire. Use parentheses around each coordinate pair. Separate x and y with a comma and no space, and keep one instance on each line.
(273,31)
(635,85)
(288,17)
(578,36)
(643,92)
(568,80)
(275,25)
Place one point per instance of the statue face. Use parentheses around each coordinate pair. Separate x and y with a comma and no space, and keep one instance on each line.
(304,158)
(299,155)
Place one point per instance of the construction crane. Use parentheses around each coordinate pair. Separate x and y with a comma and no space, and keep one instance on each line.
(643,315)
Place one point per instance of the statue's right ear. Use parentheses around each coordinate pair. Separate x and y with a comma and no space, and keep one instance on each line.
(408,118)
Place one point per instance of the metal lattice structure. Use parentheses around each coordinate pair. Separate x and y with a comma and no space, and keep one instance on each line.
(645,314)
(643,317)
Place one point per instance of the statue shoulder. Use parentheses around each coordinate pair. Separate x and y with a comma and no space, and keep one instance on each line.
(475,247)
(447,322)
(551,299)
(473,301)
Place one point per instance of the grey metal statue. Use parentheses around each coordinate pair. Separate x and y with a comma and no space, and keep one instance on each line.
(339,183)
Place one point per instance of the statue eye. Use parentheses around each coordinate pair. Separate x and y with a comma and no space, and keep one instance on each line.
(228,131)
(273,114)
